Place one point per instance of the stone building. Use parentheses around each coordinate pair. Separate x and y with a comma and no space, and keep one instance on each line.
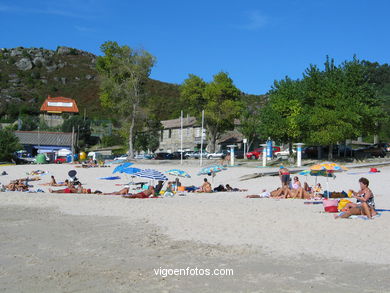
(170,135)
(53,109)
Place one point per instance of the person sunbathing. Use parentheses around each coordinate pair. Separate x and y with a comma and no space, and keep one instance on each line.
(206,187)
(229,188)
(69,189)
(53,182)
(123,191)
(149,193)
(264,194)
(365,202)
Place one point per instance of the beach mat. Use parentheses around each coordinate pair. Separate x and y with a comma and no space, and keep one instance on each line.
(110,178)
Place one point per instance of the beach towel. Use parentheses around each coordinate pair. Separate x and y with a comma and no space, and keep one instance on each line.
(313,202)
(110,178)
(361,217)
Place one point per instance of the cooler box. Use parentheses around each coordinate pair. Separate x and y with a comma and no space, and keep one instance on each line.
(330,205)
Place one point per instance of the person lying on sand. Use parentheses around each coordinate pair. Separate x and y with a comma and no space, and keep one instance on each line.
(17,185)
(229,188)
(123,191)
(264,194)
(149,193)
(206,187)
(365,205)
(69,189)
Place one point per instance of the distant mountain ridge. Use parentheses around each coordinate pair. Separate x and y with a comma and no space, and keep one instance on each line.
(29,75)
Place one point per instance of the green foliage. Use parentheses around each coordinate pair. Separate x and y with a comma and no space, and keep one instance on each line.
(80,126)
(220,100)
(192,94)
(29,122)
(325,107)
(112,140)
(9,144)
(124,72)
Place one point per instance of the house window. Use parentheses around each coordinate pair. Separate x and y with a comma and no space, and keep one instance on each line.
(188,131)
(162,135)
(170,133)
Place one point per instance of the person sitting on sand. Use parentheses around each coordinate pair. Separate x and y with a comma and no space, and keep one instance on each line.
(54,183)
(316,191)
(206,187)
(365,199)
(297,191)
(149,193)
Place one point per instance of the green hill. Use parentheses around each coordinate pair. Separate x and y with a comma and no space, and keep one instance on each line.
(29,75)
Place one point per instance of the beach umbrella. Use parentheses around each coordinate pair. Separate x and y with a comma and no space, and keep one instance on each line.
(121,167)
(131,171)
(327,169)
(151,174)
(211,169)
(179,173)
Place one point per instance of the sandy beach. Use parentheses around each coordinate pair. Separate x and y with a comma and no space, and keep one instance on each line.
(96,243)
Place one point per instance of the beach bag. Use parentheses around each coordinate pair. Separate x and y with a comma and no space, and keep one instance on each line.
(342,203)
(180,188)
(330,205)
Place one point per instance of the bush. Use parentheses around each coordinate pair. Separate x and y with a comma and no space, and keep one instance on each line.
(9,144)
(111,140)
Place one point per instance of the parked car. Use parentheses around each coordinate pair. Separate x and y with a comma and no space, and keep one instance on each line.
(60,160)
(284,153)
(163,156)
(196,155)
(121,157)
(216,155)
(144,156)
(375,150)
(257,153)
(177,155)
(189,154)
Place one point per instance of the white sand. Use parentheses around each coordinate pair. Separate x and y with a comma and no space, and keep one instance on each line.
(278,227)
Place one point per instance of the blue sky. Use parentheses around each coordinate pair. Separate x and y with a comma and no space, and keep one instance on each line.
(256,42)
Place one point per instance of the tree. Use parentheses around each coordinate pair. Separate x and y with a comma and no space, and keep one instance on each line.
(340,102)
(220,99)
(123,72)
(250,120)
(284,117)
(9,144)
(80,125)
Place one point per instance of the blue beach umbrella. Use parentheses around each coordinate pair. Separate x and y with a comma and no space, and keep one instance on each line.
(131,171)
(121,167)
(179,173)
(211,169)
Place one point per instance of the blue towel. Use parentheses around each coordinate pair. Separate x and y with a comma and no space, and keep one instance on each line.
(110,178)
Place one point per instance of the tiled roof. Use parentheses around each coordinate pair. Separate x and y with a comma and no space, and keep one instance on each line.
(59,105)
(175,123)
(45,138)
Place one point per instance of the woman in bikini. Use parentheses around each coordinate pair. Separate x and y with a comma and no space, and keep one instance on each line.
(365,202)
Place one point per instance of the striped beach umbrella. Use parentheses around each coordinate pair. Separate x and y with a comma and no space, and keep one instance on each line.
(151,174)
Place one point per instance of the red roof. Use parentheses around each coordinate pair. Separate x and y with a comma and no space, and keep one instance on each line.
(59,105)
